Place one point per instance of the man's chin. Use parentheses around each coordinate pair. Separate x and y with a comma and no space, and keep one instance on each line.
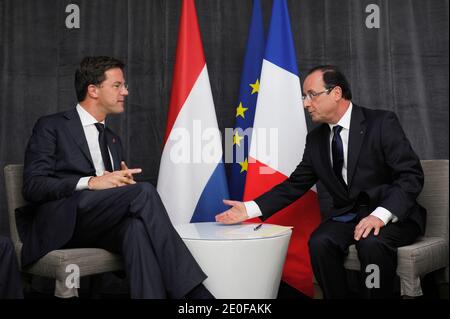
(119,109)
(314,119)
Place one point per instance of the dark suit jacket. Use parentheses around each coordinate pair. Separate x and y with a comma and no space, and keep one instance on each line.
(382,170)
(57,156)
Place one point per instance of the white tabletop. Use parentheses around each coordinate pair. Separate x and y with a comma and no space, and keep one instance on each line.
(217,231)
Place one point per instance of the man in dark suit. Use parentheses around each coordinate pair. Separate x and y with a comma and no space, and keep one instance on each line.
(10,285)
(82,194)
(366,163)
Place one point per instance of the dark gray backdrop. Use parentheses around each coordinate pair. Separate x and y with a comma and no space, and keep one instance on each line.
(402,66)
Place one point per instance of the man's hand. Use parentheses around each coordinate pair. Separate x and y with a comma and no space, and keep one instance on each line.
(114,179)
(366,225)
(124,167)
(236,214)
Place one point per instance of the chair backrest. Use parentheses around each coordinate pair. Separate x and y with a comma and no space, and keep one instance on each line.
(13,184)
(434,197)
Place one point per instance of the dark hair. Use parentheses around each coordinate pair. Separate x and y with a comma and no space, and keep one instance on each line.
(92,71)
(332,77)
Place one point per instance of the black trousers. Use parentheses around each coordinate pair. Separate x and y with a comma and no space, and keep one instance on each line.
(133,222)
(10,283)
(328,247)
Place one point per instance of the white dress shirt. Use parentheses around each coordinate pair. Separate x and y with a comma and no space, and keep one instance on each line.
(382,213)
(91,133)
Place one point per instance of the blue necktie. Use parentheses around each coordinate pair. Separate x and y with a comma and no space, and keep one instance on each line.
(104,146)
(337,150)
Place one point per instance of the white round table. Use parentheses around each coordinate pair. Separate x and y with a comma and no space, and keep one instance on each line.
(240,262)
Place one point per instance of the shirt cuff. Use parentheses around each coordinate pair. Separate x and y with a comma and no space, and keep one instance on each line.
(252,209)
(83,183)
(385,215)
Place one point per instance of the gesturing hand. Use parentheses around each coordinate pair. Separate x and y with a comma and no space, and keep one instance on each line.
(236,214)
(124,167)
(114,179)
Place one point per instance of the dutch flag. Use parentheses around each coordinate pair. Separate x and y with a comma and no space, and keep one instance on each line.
(191,181)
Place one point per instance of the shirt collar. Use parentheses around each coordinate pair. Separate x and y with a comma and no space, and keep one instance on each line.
(86,117)
(345,119)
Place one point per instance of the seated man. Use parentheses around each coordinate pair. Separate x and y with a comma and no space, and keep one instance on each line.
(82,194)
(10,285)
(373,175)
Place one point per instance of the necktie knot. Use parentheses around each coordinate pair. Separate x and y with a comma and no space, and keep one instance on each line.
(100,127)
(337,129)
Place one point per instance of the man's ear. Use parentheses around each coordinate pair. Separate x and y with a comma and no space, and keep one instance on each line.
(92,91)
(337,93)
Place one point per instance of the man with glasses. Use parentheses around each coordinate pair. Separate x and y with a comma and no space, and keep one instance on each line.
(368,166)
(82,193)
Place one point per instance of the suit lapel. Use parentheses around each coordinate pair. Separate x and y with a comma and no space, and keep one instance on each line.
(355,139)
(326,156)
(76,130)
(325,149)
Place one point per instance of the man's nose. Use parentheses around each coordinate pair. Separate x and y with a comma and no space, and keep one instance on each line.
(306,103)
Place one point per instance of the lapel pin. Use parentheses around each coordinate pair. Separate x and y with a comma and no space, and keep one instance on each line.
(114,140)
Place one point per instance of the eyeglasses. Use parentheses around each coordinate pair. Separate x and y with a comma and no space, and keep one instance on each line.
(312,94)
(117,86)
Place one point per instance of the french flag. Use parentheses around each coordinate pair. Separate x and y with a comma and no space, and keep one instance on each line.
(278,142)
(191,181)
